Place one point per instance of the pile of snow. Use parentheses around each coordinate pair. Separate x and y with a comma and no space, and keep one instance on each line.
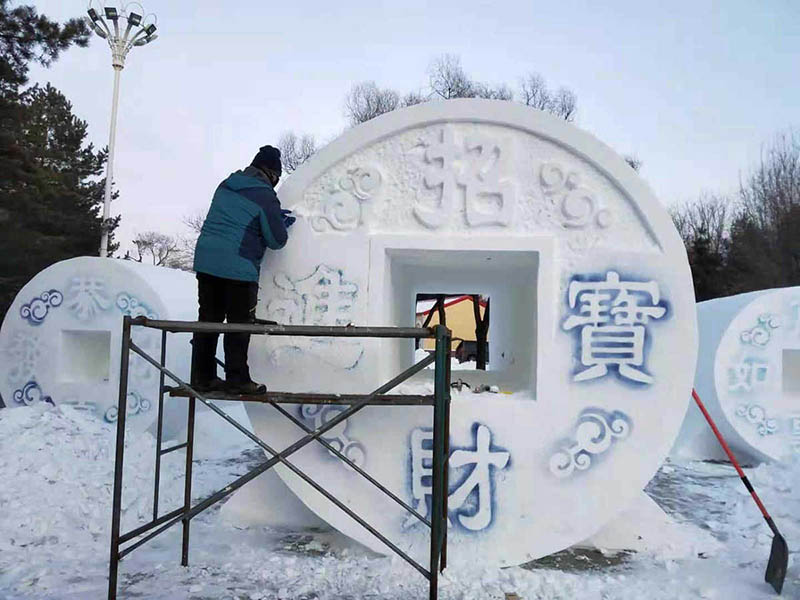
(778,486)
(56,468)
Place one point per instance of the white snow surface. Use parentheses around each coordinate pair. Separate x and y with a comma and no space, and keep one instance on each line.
(56,469)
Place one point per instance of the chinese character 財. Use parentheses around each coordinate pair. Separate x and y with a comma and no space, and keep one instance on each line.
(613,315)
(475,515)
(748,375)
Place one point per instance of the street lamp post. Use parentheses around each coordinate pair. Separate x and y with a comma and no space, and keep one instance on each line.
(140,29)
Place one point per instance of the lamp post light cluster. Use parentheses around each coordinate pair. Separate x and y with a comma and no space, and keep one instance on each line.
(123,26)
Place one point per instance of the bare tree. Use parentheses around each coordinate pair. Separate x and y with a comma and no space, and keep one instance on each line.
(155,247)
(708,216)
(412,98)
(535,93)
(447,78)
(773,189)
(295,150)
(366,101)
(564,104)
(501,92)
(183,257)
(765,245)
(194,222)
(749,242)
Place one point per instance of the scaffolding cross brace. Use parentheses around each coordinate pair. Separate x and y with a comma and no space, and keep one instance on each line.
(440,401)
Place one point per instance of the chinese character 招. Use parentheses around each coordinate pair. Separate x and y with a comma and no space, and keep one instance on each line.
(473,516)
(473,166)
(613,315)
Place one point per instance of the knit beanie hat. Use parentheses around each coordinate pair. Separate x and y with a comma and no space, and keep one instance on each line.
(268,159)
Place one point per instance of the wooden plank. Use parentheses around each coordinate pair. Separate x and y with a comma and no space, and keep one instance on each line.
(309,398)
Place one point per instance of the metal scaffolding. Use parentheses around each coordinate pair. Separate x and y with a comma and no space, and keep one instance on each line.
(440,401)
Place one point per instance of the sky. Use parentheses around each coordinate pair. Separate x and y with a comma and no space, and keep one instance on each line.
(694,89)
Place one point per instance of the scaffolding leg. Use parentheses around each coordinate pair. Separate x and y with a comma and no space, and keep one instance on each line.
(438,517)
(187,492)
(445,466)
(160,426)
(122,409)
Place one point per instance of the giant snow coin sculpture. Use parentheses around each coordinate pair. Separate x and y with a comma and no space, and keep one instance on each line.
(592,336)
(60,340)
(748,374)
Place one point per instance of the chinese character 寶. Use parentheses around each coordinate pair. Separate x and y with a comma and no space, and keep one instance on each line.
(613,316)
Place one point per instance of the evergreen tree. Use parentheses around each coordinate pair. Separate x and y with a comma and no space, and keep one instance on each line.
(50,193)
(26,36)
(54,207)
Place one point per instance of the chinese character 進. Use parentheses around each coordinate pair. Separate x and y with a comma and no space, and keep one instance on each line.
(323,298)
(474,166)
(613,315)
(748,375)
(475,515)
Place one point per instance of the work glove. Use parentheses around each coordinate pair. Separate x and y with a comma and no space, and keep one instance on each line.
(287,217)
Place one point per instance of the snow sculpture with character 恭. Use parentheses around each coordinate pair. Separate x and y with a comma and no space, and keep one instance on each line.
(60,340)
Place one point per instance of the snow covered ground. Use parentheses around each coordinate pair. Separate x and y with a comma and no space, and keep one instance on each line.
(56,473)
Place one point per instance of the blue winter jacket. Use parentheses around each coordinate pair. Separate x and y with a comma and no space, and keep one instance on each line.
(243,221)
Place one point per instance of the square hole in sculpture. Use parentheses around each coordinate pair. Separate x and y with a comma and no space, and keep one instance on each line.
(791,372)
(85,356)
(456,311)
(506,277)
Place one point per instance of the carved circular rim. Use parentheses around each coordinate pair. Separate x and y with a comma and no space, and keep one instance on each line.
(604,161)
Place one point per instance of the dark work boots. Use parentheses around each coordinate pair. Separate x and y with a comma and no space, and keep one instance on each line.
(205,387)
(245,388)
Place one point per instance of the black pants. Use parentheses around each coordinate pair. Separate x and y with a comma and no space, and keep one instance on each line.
(222,299)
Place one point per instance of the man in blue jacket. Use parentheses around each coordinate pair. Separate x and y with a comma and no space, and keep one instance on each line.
(244,220)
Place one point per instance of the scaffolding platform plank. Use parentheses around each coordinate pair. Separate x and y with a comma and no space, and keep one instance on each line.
(310,398)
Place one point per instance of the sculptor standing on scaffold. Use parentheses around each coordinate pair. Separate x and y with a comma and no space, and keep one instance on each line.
(244,220)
